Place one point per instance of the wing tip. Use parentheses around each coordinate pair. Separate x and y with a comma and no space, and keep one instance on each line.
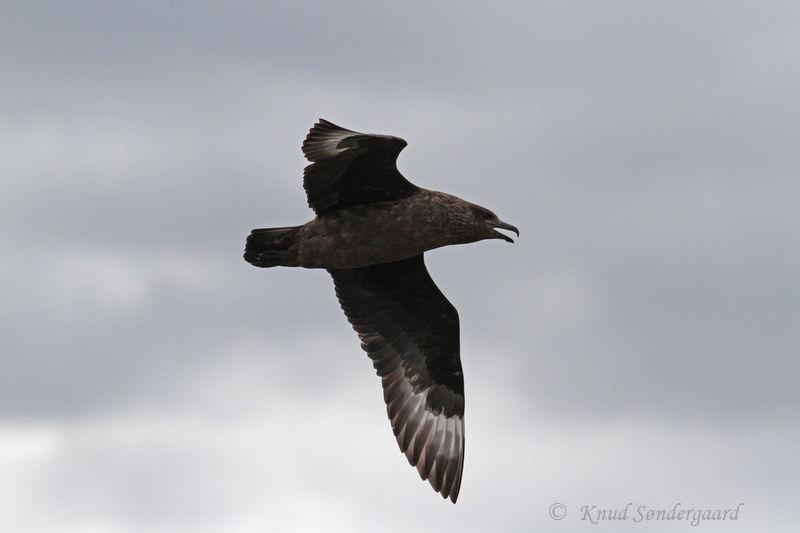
(322,138)
(432,442)
(439,457)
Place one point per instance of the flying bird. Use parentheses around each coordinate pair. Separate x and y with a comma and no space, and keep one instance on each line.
(371,229)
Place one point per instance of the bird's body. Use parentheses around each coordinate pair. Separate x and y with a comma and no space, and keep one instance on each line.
(371,230)
(363,235)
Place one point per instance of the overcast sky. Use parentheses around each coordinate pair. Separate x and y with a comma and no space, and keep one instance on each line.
(639,343)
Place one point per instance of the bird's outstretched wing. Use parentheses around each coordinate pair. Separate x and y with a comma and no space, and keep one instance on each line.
(410,331)
(351,168)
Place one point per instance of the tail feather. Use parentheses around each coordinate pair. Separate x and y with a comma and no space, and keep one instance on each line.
(265,247)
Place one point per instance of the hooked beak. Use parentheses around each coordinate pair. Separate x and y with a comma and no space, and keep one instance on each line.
(502,225)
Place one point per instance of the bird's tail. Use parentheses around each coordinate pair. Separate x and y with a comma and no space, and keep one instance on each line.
(265,247)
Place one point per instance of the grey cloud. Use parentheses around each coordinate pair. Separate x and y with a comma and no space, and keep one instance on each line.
(646,152)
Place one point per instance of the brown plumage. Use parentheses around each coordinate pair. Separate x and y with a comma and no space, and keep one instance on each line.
(371,230)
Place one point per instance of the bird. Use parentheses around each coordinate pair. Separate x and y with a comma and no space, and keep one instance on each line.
(370,232)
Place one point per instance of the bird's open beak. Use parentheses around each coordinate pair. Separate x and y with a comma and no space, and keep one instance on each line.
(503,225)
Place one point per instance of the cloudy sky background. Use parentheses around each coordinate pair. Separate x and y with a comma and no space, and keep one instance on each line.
(637,344)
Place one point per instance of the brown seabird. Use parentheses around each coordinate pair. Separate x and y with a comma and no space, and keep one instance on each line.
(371,229)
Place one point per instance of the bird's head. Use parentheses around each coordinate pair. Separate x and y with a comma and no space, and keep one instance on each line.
(475,223)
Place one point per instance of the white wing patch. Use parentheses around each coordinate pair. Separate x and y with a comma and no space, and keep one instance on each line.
(328,145)
(323,140)
(433,443)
